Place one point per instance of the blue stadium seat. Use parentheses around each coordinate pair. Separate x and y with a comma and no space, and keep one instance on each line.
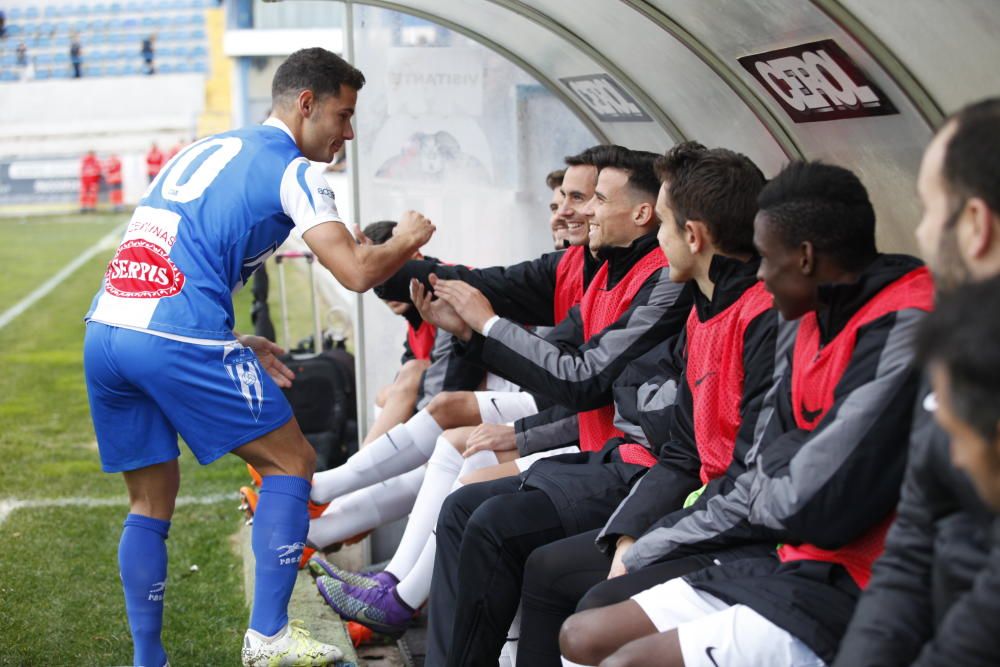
(100,8)
(61,58)
(41,74)
(200,67)
(116,7)
(184,68)
(53,11)
(197,19)
(14,14)
(79,25)
(197,34)
(165,68)
(44,59)
(115,24)
(8,60)
(31,12)
(132,68)
(62,26)
(8,76)
(61,42)
(83,10)
(13,30)
(131,23)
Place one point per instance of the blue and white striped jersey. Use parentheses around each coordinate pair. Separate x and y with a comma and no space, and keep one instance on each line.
(213,215)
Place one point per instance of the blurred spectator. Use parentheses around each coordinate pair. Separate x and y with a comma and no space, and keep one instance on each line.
(22,55)
(154,161)
(148,52)
(3,24)
(175,149)
(113,177)
(90,180)
(76,56)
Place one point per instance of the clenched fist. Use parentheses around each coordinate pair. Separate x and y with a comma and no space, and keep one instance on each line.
(416,226)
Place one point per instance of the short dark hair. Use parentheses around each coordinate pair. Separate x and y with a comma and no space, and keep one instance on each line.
(586,157)
(316,69)
(972,156)
(961,334)
(716,186)
(554,178)
(380,232)
(637,164)
(826,205)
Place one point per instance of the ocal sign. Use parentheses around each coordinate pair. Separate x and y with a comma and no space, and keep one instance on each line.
(817,81)
(605,98)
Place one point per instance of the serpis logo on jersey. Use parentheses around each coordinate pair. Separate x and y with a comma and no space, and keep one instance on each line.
(142,270)
(244,371)
(326,191)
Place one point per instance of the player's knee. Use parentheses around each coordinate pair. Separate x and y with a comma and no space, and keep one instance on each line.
(455,438)
(449,408)
(576,640)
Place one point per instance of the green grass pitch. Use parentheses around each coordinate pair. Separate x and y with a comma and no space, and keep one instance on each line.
(60,598)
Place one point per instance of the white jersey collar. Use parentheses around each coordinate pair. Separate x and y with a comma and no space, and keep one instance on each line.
(280,124)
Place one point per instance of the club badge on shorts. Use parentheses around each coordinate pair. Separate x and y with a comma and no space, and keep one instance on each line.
(245,372)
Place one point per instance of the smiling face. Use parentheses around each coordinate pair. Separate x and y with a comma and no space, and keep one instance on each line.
(785,271)
(556,223)
(611,213)
(577,189)
(326,123)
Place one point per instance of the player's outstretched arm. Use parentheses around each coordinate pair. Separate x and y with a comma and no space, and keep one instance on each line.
(359,267)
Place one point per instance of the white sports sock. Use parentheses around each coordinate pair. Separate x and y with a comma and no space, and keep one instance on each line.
(402,449)
(513,635)
(481,459)
(415,584)
(442,471)
(415,587)
(366,509)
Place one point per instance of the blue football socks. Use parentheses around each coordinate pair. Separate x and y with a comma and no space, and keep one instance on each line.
(280,525)
(142,563)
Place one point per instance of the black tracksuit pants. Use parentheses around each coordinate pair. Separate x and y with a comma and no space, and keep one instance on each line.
(571,575)
(485,534)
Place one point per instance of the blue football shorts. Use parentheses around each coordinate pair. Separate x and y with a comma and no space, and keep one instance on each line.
(144,390)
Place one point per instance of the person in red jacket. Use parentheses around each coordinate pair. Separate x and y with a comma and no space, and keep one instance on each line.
(154,161)
(113,177)
(90,180)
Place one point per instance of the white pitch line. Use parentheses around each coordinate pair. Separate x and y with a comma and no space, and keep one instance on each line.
(108,241)
(8,505)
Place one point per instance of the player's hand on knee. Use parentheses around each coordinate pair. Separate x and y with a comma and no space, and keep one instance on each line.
(267,355)
(617,563)
(490,437)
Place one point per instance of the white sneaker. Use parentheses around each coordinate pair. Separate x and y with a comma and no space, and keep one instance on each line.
(291,647)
